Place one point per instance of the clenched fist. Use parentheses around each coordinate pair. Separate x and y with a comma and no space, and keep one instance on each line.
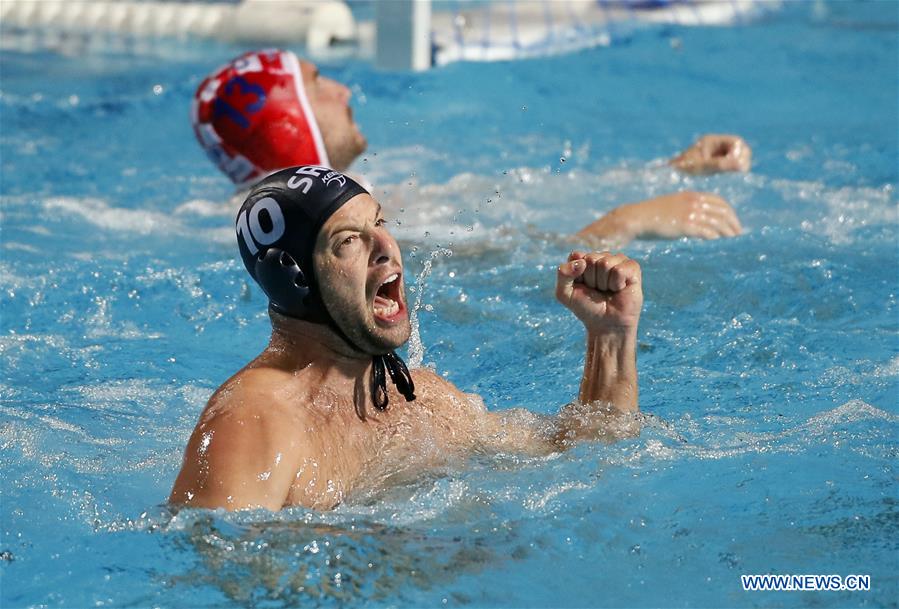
(603,290)
(714,153)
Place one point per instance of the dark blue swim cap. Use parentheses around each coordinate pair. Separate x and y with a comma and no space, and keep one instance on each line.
(276,231)
(277,227)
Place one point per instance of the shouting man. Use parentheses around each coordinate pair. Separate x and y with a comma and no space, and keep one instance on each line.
(328,410)
(268,110)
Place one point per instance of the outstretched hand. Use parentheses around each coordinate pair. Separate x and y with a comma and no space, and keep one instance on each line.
(715,153)
(701,215)
(603,290)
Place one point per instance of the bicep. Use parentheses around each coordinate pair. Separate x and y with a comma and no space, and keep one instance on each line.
(231,462)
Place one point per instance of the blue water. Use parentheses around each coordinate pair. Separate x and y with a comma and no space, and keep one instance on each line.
(769,363)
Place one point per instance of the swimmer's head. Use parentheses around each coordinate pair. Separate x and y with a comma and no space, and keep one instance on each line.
(268,110)
(316,243)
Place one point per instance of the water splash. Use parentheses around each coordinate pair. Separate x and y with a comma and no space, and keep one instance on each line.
(416,347)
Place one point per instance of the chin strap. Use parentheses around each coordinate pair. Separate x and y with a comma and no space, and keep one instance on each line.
(399,374)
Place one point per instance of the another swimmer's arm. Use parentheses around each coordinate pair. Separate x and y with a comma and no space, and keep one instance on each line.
(237,459)
(683,214)
(713,153)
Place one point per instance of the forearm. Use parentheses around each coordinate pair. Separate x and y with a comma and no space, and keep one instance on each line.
(613,230)
(610,370)
(655,218)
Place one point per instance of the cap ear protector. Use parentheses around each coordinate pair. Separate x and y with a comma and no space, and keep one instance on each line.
(283,281)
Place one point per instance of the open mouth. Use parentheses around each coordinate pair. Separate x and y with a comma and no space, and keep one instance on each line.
(388,304)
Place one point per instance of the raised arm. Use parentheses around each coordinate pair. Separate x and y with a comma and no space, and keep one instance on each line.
(604,291)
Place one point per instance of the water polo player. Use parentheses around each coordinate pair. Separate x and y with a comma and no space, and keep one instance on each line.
(267,110)
(328,411)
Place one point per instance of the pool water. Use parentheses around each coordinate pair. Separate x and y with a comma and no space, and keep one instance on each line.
(769,363)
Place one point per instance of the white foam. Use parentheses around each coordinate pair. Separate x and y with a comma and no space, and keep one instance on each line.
(539,501)
(206,209)
(101,214)
(851,411)
(129,222)
(726,440)
(564,199)
(416,346)
(845,209)
(891,368)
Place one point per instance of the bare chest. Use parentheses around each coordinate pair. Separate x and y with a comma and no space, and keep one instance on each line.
(353,456)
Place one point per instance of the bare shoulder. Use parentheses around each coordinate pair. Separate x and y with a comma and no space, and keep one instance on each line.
(260,409)
(427,379)
(246,445)
(441,394)
(429,383)
(260,393)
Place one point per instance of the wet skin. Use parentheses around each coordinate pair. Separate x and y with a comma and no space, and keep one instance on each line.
(330,102)
(295,426)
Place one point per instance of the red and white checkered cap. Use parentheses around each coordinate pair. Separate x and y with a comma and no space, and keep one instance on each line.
(252,117)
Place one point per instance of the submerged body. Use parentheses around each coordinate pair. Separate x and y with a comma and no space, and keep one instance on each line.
(292,428)
(300,424)
(311,447)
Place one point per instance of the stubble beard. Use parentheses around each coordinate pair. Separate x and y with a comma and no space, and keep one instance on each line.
(365,334)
